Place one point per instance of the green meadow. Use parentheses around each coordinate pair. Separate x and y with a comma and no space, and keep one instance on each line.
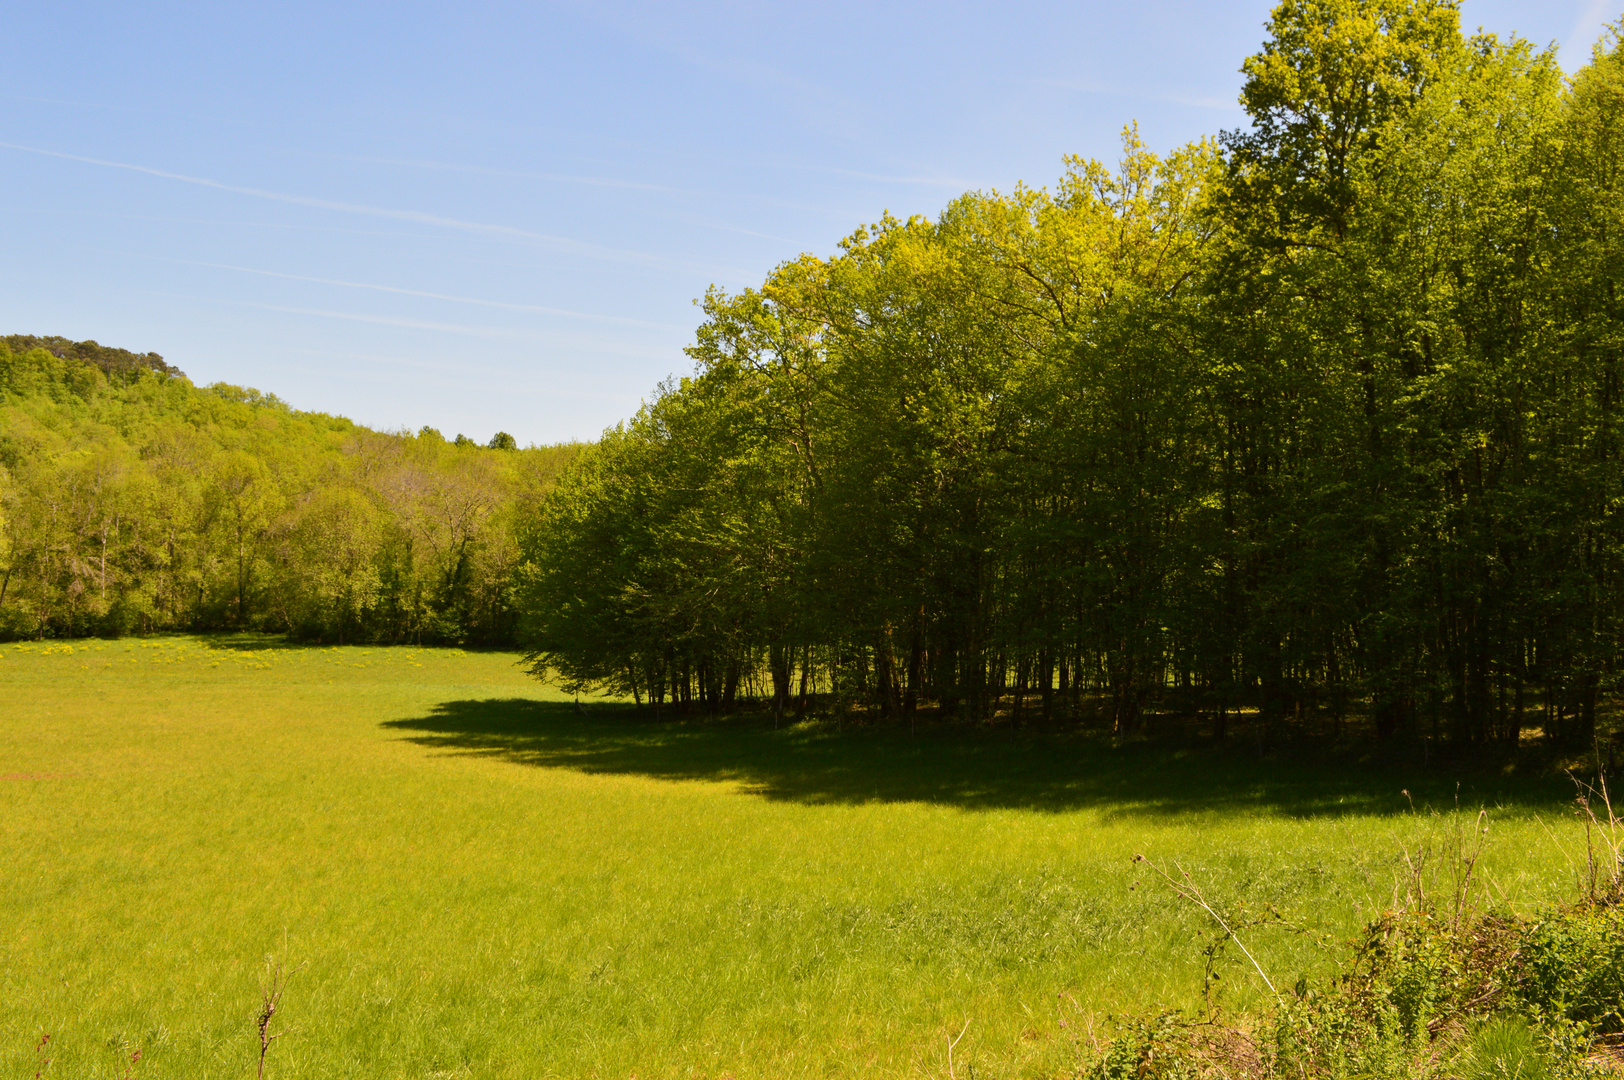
(464,875)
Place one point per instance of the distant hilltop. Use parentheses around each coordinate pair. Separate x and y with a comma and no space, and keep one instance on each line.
(112,361)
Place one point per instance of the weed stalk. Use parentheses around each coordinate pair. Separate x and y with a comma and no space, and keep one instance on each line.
(270,991)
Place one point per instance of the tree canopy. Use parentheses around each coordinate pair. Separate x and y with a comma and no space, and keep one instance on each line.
(1314,419)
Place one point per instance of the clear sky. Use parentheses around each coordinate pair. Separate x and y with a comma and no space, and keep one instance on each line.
(485,217)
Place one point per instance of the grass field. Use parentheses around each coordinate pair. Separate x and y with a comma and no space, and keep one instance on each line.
(469,879)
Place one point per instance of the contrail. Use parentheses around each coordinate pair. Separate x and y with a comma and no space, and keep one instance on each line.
(539,309)
(410,324)
(416,216)
(384,320)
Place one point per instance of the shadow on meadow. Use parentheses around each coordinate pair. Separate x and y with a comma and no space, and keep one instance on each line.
(973,768)
(254,641)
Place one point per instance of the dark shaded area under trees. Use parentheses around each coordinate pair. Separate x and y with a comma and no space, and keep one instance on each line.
(1051,769)
(1317,421)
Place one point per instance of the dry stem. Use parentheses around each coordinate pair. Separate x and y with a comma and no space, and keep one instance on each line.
(270,990)
(1192,892)
(951,1044)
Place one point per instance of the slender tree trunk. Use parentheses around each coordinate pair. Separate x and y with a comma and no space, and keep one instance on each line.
(885,674)
(730,685)
(916,667)
(778,661)
(1584,732)
(1066,681)
(1046,683)
(1514,723)
(806,664)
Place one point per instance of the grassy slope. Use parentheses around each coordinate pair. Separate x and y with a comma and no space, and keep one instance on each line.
(478,882)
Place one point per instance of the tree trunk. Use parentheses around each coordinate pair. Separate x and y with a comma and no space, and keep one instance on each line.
(778,663)
(806,664)
(730,686)
(1046,683)
(916,668)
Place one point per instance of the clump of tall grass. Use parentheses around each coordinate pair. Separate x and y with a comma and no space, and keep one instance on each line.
(1445,983)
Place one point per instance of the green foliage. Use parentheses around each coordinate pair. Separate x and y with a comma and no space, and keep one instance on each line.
(1573,967)
(1332,76)
(1147,1048)
(114,363)
(132,501)
(1318,423)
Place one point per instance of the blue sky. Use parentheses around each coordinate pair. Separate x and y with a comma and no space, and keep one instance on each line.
(485,217)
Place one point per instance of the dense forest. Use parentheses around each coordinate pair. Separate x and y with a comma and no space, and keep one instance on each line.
(1316,421)
(133,501)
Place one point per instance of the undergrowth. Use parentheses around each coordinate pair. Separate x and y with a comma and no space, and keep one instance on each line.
(1445,983)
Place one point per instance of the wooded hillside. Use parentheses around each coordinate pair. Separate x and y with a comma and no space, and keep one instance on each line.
(133,501)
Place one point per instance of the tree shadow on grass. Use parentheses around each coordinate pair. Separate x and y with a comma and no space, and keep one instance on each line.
(256,641)
(260,641)
(967,767)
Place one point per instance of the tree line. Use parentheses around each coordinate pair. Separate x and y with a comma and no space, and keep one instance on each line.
(1316,420)
(132,501)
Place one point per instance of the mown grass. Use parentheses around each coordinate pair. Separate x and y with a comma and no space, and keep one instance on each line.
(471,879)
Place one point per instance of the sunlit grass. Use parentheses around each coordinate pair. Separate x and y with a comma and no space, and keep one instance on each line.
(471,880)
